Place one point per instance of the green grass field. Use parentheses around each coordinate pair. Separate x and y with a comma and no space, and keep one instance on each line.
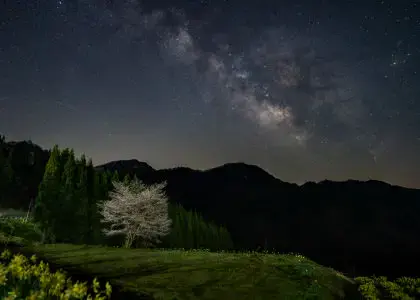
(177,274)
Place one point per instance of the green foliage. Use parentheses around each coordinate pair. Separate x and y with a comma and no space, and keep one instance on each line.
(22,278)
(115,177)
(6,173)
(47,201)
(127,179)
(68,200)
(21,228)
(375,288)
(10,212)
(191,231)
(65,206)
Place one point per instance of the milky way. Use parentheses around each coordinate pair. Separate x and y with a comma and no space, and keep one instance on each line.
(307,91)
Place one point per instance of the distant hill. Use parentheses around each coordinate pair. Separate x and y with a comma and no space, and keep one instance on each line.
(127,166)
(354,226)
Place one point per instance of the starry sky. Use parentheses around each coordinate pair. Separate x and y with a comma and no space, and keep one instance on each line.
(308,90)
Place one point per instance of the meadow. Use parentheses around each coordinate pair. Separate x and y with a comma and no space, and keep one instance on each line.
(181,274)
(197,274)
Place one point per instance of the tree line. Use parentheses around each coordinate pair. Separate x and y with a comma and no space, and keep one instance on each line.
(67,208)
(6,172)
(22,166)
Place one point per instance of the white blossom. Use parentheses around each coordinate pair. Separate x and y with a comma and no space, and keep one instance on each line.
(136,211)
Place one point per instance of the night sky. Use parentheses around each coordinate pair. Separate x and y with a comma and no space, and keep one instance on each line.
(307,90)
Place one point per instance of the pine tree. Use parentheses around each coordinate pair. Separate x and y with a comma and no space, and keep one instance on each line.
(105,183)
(48,195)
(127,179)
(100,194)
(64,156)
(3,184)
(200,231)
(91,206)
(82,201)
(6,179)
(115,177)
(68,201)
(190,230)
(225,239)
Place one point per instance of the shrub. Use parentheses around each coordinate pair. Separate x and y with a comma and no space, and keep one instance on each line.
(403,288)
(10,212)
(23,278)
(21,228)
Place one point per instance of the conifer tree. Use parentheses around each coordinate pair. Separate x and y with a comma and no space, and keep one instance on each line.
(68,201)
(64,156)
(115,177)
(200,230)
(6,177)
(3,183)
(82,193)
(91,207)
(100,194)
(127,179)
(48,195)
(190,230)
(106,183)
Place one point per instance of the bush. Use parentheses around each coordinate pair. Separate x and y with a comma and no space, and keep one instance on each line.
(22,278)
(10,212)
(404,288)
(21,228)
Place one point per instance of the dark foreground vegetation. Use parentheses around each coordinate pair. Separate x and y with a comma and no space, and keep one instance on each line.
(356,228)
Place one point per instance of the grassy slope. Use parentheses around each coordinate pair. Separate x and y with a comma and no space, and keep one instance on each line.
(173,274)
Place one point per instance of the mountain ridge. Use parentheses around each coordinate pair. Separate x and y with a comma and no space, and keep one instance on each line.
(138,164)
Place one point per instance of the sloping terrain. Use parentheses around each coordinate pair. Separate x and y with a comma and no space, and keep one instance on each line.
(177,274)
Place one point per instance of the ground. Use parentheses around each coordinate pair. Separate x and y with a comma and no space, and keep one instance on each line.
(178,274)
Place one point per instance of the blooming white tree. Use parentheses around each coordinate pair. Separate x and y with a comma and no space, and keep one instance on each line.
(136,210)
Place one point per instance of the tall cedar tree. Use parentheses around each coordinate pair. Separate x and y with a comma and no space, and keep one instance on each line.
(47,200)
(100,192)
(115,177)
(127,179)
(91,202)
(6,174)
(68,199)
(82,193)
(3,184)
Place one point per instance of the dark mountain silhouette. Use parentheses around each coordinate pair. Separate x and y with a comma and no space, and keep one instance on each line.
(360,228)
(127,166)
